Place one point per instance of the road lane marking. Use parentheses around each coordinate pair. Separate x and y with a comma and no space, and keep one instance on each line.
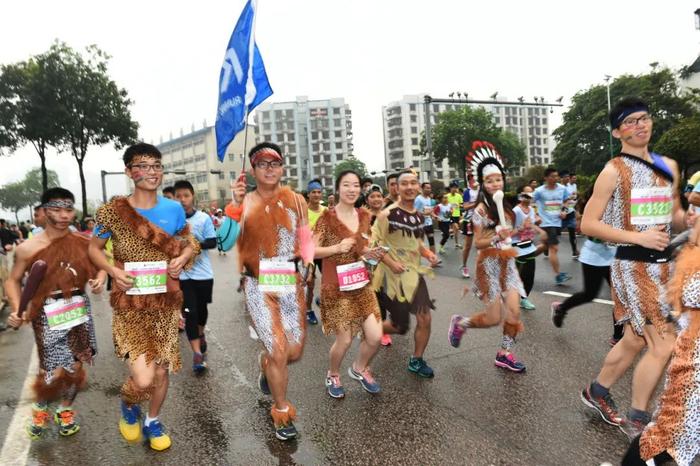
(15,448)
(568,295)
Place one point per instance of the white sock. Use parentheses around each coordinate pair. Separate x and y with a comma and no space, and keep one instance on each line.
(149,419)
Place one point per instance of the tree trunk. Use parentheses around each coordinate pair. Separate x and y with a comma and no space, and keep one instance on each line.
(83,190)
(17,217)
(44,173)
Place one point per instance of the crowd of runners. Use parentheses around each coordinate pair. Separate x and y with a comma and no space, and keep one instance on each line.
(372,253)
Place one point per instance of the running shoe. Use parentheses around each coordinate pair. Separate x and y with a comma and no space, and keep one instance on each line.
(335,388)
(66,422)
(262,379)
(386,340)
(465,272)
(457,245)
(575,256)
(39,422)
(420,367)
(562,277)
(311,317)
(285,432)
(456,330)
(632,428)
(366,379)
(441,250)
(156,436)
(526,304)
(203,344)
(199,365)
(130,422)
(604,405)
(557,314)
(508,361)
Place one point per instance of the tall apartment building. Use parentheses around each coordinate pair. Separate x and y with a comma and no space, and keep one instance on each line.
(404,122)
(195,155)
(314,135)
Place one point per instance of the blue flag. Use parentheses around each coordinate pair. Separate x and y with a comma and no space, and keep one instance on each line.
(243,81)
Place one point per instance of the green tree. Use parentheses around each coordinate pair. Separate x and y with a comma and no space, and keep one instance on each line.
(583,139)
(29,109)
(33,183)
(351,163)
(682,143)
(97,109)
(456,130)
(13,197)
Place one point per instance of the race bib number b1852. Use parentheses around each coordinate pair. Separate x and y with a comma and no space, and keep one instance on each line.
(352,276)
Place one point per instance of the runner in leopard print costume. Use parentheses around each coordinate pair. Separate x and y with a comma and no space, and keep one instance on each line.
(151,240)
(59,311)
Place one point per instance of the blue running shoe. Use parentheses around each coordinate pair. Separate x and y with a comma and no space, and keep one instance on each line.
(366,379)
(420,367)
(262,379)
(335,388)
(199,365)
(562,277)
(508,361)
(155,433)
(311,317)
(130,422)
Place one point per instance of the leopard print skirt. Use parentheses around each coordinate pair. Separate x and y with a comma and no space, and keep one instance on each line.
(149,332)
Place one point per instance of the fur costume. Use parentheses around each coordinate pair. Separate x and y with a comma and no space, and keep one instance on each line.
(344,309)
(145,324)
(62,352)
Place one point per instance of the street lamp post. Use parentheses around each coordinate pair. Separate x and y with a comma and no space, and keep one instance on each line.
(607,84)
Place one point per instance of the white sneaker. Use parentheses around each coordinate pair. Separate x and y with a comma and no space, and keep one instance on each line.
(465,272)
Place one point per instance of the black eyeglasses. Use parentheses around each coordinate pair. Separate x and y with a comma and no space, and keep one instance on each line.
(145,167)
(645,119)
(264,165)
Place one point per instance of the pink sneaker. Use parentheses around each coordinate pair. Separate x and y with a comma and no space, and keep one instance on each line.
(456,331)
(386,340)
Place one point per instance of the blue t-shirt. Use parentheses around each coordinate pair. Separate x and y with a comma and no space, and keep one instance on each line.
(202,227)
(166,214)
(549,203)
(597,254)
(421,203)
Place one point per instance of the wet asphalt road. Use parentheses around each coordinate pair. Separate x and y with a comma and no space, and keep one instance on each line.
(470,413)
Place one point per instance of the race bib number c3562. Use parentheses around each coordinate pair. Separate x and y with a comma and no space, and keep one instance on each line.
(651,206)
(352,276)
(149,277)
(277,277)
(64,314)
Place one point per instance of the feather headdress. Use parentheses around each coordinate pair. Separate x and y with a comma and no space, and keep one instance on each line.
(483,160)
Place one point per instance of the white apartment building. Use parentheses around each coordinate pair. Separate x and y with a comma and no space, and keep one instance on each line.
(194,156)
(314,135)
(404,122)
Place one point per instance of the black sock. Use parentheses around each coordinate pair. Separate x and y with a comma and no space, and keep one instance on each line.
(598,391)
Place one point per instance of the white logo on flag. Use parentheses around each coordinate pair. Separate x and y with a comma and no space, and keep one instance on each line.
(231,61)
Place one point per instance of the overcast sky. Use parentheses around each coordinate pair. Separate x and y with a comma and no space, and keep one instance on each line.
(168,55)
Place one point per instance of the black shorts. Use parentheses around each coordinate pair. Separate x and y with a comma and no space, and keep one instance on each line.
(430,234)
(467,229)
(454,219)
(552,235)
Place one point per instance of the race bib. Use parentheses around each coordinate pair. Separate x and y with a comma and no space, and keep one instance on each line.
(651,206)
(150,277)
(352,276)
(65,314)
(552,207)
(277,277)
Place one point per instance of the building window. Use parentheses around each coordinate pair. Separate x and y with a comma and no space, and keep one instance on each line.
(221,175)
(338,134)
(222,194)
(414,118)
(414,130)
(293,172)
(338,145)
(326,158)
(336,111)
(414,141)
(292,160)
(317,159)
(412,107)
(339,157)
(232,175)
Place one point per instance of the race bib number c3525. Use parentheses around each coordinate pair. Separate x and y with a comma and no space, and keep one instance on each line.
(277,277)
(651,206)
(149,277)
(64,314)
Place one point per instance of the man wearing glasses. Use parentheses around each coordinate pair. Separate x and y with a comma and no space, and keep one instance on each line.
(634,206)
(151,245)
(274,238)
